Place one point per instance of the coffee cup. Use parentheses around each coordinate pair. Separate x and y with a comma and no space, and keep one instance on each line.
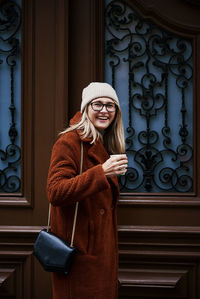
(119,157)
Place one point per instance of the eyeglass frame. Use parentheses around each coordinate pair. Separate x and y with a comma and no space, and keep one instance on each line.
(114,105)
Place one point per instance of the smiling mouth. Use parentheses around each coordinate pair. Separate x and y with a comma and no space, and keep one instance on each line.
(102,118)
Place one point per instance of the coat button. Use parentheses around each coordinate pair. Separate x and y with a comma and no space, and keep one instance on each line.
(102,211)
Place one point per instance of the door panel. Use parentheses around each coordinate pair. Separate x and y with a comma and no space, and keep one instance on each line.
(159,233)
(44,111)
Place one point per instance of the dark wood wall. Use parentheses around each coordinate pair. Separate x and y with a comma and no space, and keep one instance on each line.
(44,112)
(159,235)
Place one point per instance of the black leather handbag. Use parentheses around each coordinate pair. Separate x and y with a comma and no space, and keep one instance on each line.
(53,253)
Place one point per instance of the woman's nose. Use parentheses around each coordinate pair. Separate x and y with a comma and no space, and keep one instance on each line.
(104,109)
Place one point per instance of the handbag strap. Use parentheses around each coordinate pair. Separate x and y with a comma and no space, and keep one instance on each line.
(77,203)
(76,207)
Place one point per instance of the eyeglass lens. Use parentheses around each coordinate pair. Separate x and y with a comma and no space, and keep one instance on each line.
(98,106)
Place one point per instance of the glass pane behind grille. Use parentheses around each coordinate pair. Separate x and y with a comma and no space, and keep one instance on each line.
(10,96)
(152,72)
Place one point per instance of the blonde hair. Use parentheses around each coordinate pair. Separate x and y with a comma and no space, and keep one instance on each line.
(113,137)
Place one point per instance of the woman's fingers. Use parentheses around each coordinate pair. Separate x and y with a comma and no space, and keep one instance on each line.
(115,165)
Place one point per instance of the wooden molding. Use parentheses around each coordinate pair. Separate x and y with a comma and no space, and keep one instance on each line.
(161,12)
(61,65)
(158,200)
(15,273)
(152,260)
(97,40)
(17,264)
(5,274)
(7,282)
(161,260)
(165,279)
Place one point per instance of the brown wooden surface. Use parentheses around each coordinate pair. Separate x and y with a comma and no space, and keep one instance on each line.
(159,235)
(44,111)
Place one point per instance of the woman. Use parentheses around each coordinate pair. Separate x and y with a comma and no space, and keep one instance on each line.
(99,126)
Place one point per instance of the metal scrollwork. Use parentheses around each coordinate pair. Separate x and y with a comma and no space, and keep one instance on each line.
(156,61)
(10,22)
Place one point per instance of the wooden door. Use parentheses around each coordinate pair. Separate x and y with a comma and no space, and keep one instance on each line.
(158,232)
(44,85)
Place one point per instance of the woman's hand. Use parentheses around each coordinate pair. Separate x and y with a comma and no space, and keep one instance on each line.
(115,165)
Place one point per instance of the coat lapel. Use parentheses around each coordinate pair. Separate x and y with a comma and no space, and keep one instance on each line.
(97,152)
(98,155)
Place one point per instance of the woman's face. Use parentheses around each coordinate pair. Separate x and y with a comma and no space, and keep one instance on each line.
(101,116)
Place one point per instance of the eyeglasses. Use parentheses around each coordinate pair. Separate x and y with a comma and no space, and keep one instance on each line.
(98,106)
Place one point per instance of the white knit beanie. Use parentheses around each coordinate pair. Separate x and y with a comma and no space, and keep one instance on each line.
(98,90)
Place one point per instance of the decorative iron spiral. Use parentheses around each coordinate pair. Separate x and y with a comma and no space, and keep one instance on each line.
(10,22)
(152,58)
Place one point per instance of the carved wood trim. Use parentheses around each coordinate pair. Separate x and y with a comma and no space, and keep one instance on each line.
(151,278)
(7,282)
(61,64)
(157,200)
(86,48)
(5,274)
(174,281)
(97,40)
(168,18)
(17,265)
(151,259)
(159,242)
(15,270)
(158,260)
(180,230)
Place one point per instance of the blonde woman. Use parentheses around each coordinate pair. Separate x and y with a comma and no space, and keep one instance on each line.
(99,126)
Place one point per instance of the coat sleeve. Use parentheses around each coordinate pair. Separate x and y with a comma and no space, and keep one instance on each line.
(64,185)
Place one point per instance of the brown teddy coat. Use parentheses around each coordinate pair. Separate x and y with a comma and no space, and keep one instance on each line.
(94,272)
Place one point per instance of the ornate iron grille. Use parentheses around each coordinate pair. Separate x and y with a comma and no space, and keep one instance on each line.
(10,23)
(155,68)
